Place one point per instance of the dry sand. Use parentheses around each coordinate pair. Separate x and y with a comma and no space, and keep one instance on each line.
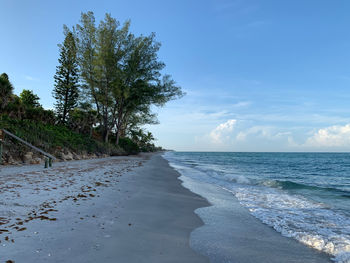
(119,209)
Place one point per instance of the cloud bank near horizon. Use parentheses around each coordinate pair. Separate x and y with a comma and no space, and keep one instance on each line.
(232,135)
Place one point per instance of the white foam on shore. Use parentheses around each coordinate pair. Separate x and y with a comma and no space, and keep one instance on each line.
(311,223)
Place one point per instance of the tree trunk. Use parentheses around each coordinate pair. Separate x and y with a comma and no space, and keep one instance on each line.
(105,124)
(119,124)
(105,135)
(90,132)
(65,100)
(118,136)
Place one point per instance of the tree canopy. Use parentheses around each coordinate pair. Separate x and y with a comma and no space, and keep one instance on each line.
(29,99)
(121,74)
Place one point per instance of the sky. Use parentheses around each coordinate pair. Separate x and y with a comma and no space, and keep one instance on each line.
(258,75)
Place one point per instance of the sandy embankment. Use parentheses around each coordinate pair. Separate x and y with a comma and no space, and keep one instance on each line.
(119,209)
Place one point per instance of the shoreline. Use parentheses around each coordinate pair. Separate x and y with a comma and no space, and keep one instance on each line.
(161,215)
(237,236)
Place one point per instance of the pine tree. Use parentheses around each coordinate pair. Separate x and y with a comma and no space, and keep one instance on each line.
(66,91)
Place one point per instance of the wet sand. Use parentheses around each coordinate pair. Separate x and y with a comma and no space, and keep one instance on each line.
(232,234)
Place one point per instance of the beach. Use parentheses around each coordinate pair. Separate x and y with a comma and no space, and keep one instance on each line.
(130,209)
(118,209)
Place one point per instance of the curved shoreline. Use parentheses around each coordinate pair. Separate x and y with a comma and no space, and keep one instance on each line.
(161,214)
(231,234)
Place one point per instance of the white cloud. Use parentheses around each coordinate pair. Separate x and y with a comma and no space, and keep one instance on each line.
(333,136)
(222,131)
(259,131)
(292,143)
(242,104)
(30,78)
(241,136)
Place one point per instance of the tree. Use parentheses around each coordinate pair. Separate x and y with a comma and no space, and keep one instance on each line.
(101,51)
(143,139)
(121,74)
(66,91)
(15,109)
(6,90)
(83,119)
(142,84)
(29,99)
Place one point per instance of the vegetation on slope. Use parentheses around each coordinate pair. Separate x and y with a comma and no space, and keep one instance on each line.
(106,84)
(52,138)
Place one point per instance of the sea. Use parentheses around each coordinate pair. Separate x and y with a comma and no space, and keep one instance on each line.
(304,196)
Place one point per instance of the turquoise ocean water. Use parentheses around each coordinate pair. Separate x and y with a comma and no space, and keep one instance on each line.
(305,196)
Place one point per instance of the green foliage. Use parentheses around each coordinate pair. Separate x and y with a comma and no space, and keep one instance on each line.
(40,115)
(128,145)
(29,99)
(66,91)
(82,120)
(28,110)
(6,90)
(101,52)
(143,139)
(53,137)
(121,74)
(14,108)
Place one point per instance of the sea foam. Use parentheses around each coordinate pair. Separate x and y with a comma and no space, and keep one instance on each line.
(312,223)
(267,196)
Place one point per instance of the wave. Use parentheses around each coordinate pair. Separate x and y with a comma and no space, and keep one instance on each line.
(311,223)
(286,206)
(216,173)
(279,184)
(290,185)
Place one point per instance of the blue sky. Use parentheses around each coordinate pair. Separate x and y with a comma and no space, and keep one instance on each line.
(259,75)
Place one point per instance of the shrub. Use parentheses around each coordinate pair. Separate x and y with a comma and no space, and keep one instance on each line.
(129,146)
(50,137)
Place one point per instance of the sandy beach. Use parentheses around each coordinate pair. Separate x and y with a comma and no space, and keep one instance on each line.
(119,209)
(128,209)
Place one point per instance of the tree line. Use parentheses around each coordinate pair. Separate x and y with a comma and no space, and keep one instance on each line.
(106,83)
